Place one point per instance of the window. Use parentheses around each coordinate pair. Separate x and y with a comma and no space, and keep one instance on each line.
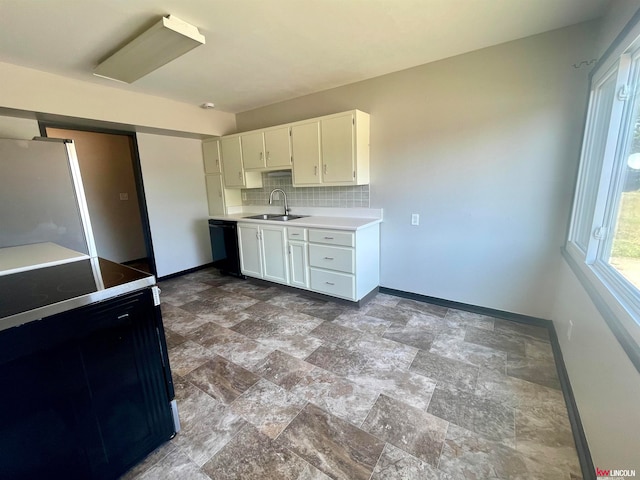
(604,235)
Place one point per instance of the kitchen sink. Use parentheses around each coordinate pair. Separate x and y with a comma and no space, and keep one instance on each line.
(284,218)
(264,216)
(279,218)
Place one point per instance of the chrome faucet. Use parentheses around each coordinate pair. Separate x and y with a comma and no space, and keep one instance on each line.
(286,207)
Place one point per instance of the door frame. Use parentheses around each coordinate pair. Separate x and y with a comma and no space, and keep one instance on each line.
(137,175)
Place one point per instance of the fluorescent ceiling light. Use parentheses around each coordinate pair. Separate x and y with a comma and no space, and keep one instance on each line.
(165,41)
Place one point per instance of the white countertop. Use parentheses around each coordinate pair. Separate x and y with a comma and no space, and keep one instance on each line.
(313,221)
(37,255)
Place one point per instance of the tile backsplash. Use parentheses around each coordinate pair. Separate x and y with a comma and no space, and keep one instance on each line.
(346,197)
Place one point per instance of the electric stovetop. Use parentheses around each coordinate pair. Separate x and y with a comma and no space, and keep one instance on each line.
(34,294)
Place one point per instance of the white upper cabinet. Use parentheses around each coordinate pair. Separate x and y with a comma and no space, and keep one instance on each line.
(253,150)
(266,149)
(338,149)
(233,168)
(332,150)
(211,154)
(305,147)
(277,148)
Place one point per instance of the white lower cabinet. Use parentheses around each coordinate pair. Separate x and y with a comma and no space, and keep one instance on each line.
(263,252)
(298,257)
(344,264)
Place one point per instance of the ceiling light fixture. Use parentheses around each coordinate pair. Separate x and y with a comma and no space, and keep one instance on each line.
(207,105)
(162,43)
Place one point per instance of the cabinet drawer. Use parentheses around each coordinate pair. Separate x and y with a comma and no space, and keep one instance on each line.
(332,237)
(296,233)
(333,258)
(333,283)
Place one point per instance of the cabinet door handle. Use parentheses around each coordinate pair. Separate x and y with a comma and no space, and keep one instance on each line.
(328,238)
(261,154)
(268,156)
(328,258)
(217,162)
(329,283)
(325,168)
(315,170)
(240,175)
(295,234)
(289,249)
(124,315)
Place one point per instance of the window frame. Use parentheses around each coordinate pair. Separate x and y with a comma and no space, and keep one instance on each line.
(615,297)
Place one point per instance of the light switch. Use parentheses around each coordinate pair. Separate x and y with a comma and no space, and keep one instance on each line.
(415,219)
(124,196)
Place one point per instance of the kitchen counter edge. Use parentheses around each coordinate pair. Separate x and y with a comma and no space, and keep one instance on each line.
(312,221)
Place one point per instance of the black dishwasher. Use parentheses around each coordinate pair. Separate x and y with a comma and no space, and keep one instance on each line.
(224,246)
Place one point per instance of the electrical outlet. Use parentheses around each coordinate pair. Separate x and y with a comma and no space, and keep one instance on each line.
(244,195)
(415,219)
(569,330)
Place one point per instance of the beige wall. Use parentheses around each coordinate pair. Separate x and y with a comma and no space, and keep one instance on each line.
(605,383)
(19,128)
(31,90)
(484,147)
(106,166)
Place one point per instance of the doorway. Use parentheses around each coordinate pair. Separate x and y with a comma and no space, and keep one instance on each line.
(112,180)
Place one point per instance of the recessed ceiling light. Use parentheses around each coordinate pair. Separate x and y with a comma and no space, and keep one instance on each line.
(207,105)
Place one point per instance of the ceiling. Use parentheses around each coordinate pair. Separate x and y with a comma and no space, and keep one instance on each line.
(259,52)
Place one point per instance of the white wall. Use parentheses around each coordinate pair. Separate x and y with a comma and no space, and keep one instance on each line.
(19,128)
(605,383)
(31,90)
(484,147)
(173,177)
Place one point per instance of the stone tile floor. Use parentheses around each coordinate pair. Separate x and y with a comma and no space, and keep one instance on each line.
(272,384)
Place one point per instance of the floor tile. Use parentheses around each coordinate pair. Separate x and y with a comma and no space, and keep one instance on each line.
(222,380)
(219,303)
(391,314)
(408,387)
(175,465)
(362,322)
(225,318)
(325,311)
(337,395)
(250,289)
(396,464)
(504,342)
(188,356)
(332,333)
(312,473)
(487,418)
(532,331)
(299,346)
(180,321)
(452,346)
(468,455)
(231,345)
(415,337)
(264,310)
(154,457)
(385,299)
(515,392)
(332,445)
(251,455)
(282,369)
(468,319)
(178,292)
(533,370)
(173,339)
(422,307)
(385,353)
(339,360)
(408,428)
(207,425)
(293,301)
(268,407)
(457,373)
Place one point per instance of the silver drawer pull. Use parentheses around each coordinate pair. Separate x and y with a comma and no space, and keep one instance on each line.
(329,283)
(328,238)
(125,315)
(328,258)
(295,234)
